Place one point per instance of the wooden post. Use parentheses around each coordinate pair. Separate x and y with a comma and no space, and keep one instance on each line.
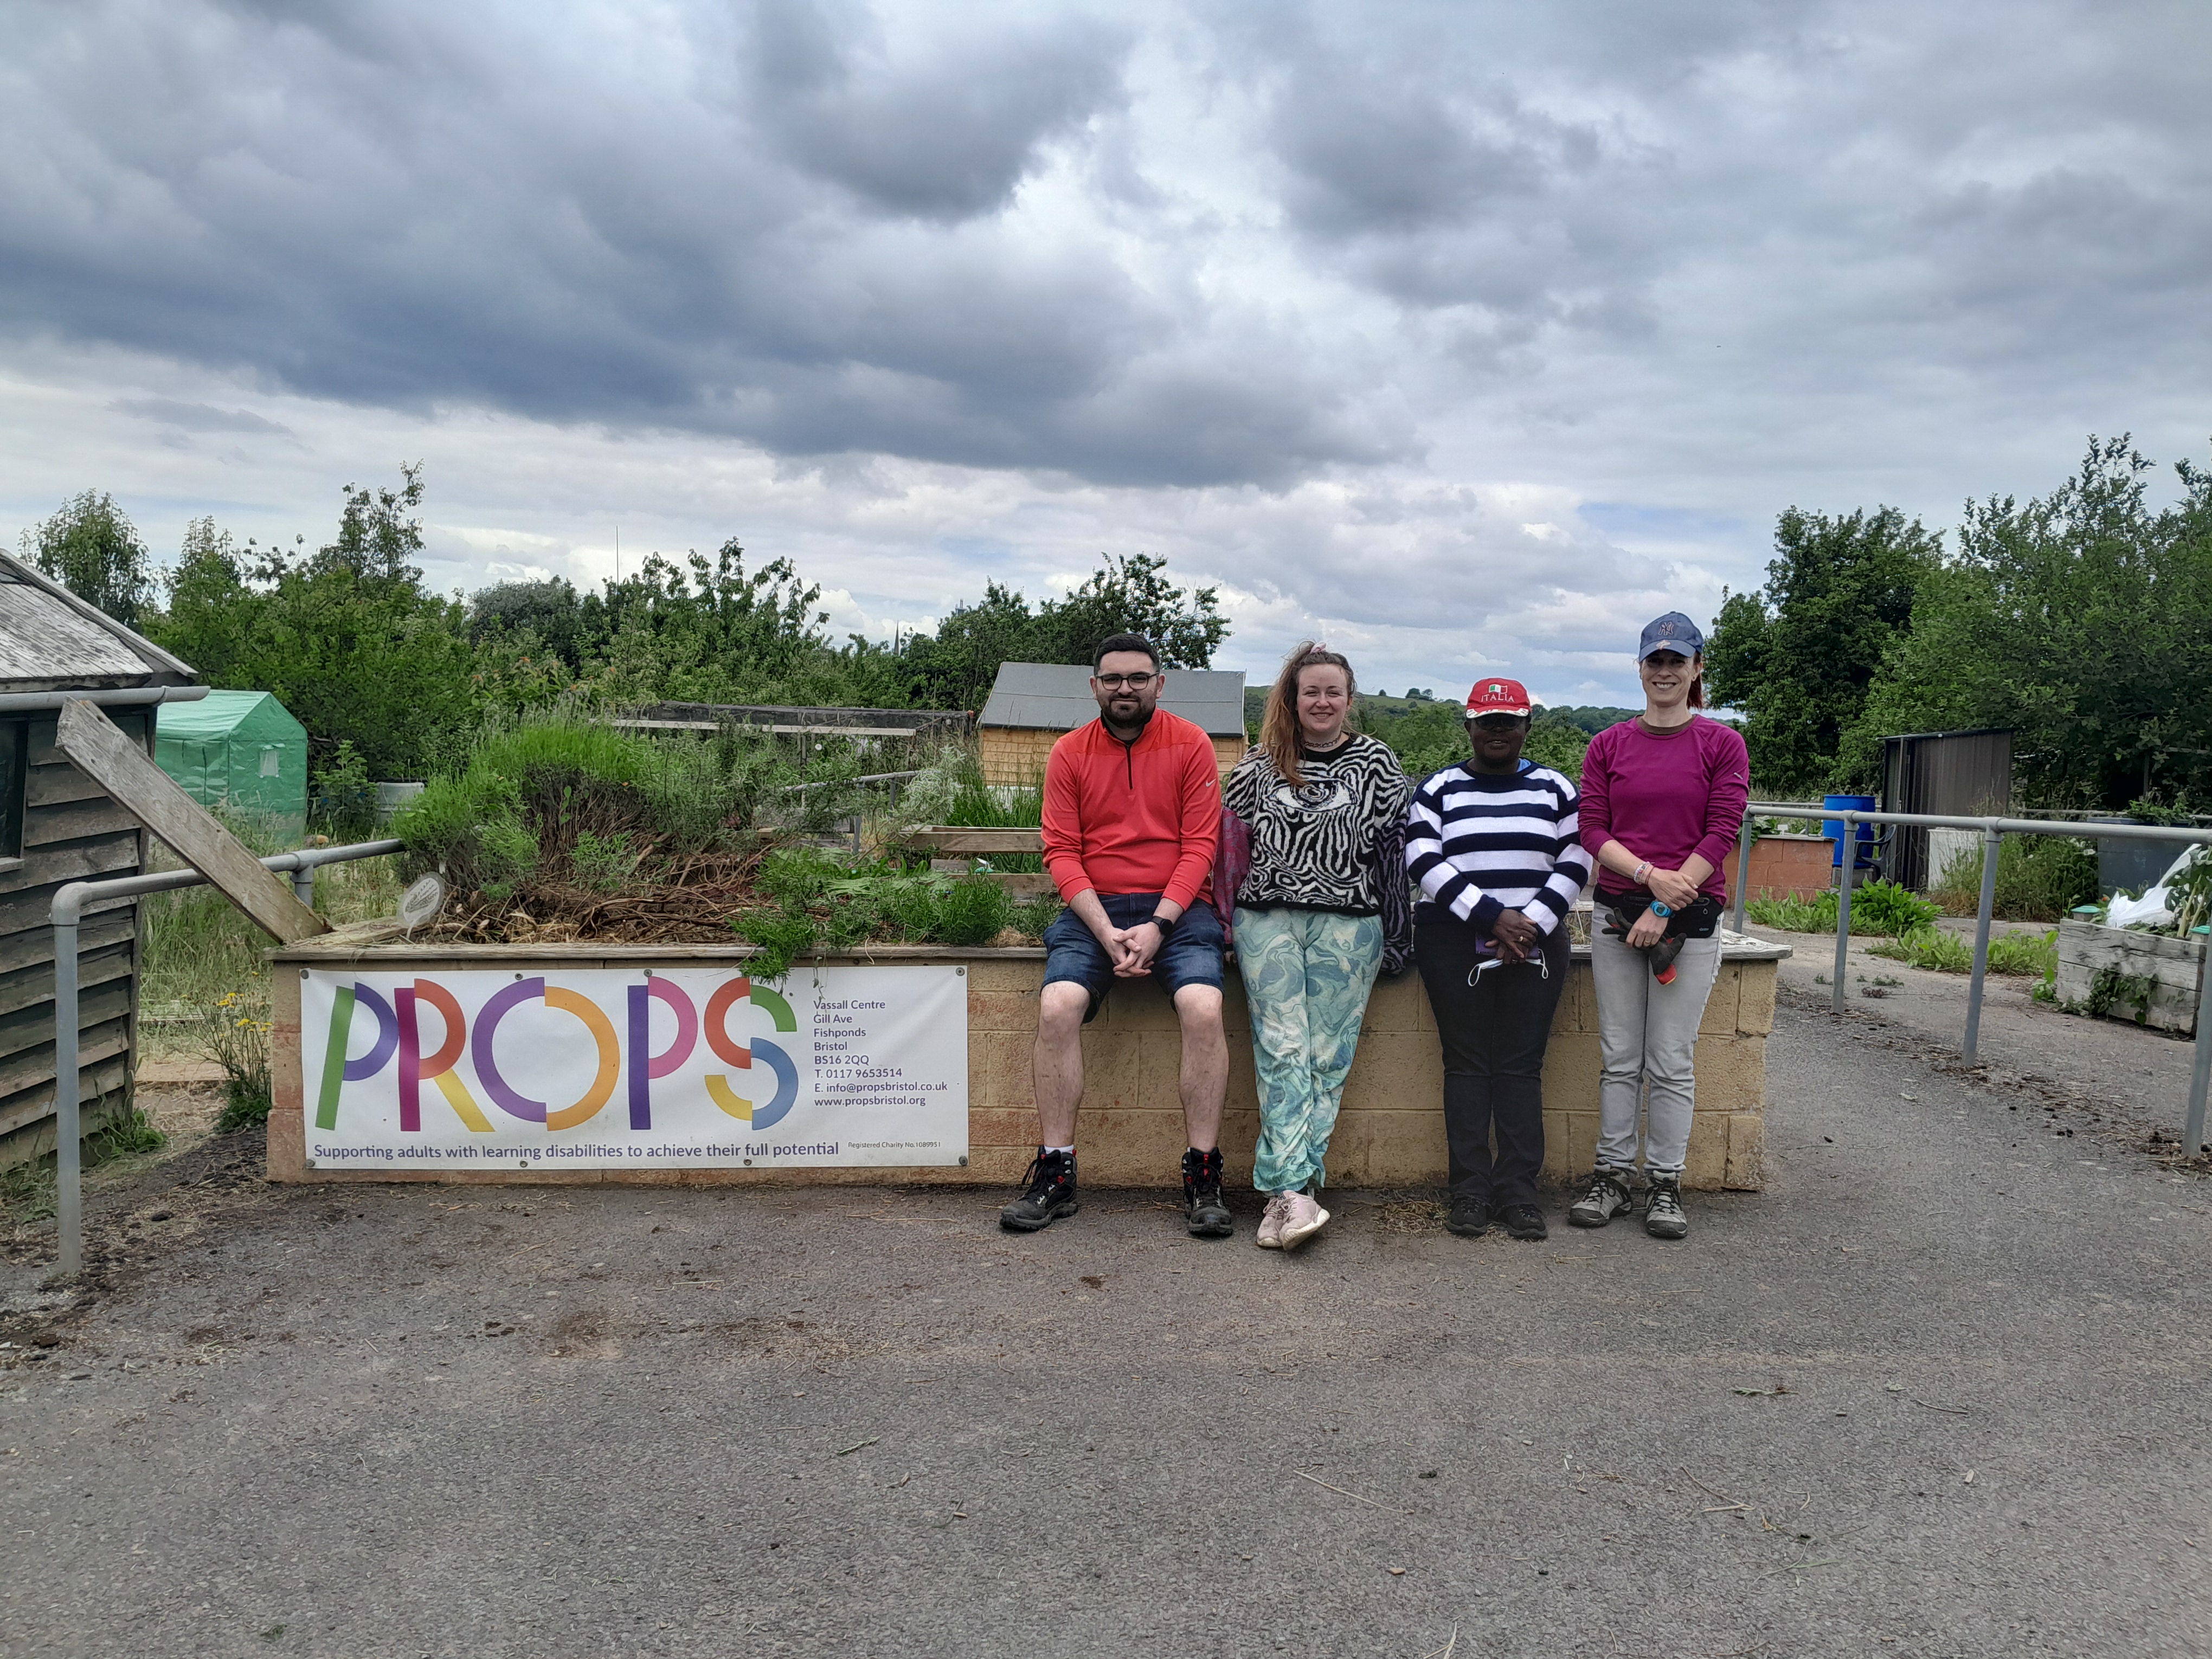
(100,749)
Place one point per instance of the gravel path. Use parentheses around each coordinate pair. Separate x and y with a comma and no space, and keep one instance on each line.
(1940,1390)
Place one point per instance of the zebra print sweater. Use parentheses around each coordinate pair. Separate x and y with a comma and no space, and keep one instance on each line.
(1478,843)
(1313,848)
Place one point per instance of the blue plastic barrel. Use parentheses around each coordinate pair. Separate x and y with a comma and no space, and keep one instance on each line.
(1863,854)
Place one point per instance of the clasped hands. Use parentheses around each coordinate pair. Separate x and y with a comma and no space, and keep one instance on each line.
(1671,888)
(1131,949)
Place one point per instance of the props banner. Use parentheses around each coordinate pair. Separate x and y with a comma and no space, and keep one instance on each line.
(606,1069)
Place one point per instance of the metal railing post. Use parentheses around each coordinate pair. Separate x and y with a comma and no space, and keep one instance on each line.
(69,906)
(2192,1126)
(69,1170)
(303,885)
(1991,840)
(1742,871)
(1844,910)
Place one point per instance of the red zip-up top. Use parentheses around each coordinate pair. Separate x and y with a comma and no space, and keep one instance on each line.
(1134,818)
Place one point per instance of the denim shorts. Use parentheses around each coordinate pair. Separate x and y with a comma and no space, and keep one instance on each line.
(1192,955)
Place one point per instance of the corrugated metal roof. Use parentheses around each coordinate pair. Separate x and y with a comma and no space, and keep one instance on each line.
(1045,696)
(52,641)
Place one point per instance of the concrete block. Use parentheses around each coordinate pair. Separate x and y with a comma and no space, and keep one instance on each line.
(1000,1126)
(1236,1011)
(1007,1074)
(1570,1144)
(1731,1075)
(1720,1015)
(1746,1152)
(1571,1067)
(1002,1011)
(1755,1008)
(1398,1004)
(1138,1005)
(1110,1075)
(1121,1146)
(997,974)
(1396,1071)
(1706,1167)
(1406,1149)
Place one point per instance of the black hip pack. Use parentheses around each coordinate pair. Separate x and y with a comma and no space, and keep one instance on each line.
(1699,919)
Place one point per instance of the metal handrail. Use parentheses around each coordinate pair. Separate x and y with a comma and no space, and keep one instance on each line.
(1993,829)
(68,909)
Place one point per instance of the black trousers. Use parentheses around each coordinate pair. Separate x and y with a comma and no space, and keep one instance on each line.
(1494,1027)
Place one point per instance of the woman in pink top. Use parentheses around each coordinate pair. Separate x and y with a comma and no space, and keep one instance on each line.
(1662,805)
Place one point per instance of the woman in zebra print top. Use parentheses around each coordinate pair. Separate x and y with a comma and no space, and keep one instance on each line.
(1493,846)
(1323,809)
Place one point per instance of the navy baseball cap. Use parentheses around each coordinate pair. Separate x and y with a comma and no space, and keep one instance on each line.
(1672,632)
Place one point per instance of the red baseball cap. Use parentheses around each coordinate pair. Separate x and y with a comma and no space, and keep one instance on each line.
(1498,697)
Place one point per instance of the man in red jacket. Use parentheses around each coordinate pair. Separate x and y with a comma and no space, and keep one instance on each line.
(1132,814)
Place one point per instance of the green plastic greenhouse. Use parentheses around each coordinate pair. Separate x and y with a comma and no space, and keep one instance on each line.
(240,750)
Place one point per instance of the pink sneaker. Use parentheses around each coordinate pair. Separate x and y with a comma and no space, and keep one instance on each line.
(1271,1224)
(1302,1219)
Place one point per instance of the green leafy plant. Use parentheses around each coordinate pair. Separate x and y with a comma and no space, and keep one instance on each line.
(1877,907)
(2015,954)
(1793,914)
(2039,879)
(604,863)
(2110,989)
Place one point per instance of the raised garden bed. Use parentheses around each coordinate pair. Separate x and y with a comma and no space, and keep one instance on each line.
(2152,980)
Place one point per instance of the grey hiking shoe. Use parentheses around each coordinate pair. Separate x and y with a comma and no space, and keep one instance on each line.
(1663,1208)
(1605,1198)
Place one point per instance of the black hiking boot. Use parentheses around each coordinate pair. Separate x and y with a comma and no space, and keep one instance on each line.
(1204,1214)
(1522,1221)
(1049,1193)
(1469,1217)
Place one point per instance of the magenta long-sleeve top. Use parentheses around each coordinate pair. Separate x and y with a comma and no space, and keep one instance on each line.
(1665,798)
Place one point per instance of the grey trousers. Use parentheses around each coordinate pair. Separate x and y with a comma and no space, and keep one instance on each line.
(1647,1032)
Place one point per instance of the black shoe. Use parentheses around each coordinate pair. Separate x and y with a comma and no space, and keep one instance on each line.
(1204,1212)
(1048,1194)
(1522,1221)
(1469,1218)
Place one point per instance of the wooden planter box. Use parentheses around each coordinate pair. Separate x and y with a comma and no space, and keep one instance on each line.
(2175,968)
(1391,1131)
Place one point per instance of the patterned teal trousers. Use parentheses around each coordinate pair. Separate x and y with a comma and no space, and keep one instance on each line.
(1307,974)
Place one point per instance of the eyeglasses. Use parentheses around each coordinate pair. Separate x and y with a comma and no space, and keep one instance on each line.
(1500,722)
(1135,682)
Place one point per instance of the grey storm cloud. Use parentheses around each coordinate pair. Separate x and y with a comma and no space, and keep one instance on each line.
(1216,243)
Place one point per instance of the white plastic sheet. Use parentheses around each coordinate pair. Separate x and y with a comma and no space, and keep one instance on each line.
(2149,910)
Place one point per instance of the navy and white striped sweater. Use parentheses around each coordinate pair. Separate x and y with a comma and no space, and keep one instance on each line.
(1478,843)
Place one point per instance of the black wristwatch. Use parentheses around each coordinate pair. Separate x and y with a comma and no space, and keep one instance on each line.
(1165,924)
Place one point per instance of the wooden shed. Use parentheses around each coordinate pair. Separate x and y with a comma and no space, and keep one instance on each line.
(57,826)
(1034,704)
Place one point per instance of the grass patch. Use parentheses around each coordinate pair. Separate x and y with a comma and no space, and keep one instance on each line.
(2039,879)
(1879,908)
(2016,955)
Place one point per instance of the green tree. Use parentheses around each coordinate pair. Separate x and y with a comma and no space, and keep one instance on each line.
(347,637)
(1798,656)
(2081,622)
(955,668)
(91,547)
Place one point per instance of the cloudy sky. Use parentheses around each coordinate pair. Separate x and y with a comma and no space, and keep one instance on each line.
(1468,336)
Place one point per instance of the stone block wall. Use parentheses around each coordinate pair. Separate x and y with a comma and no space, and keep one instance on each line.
(1131,1132)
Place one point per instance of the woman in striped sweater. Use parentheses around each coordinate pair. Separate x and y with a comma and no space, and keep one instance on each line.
(1491,845)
